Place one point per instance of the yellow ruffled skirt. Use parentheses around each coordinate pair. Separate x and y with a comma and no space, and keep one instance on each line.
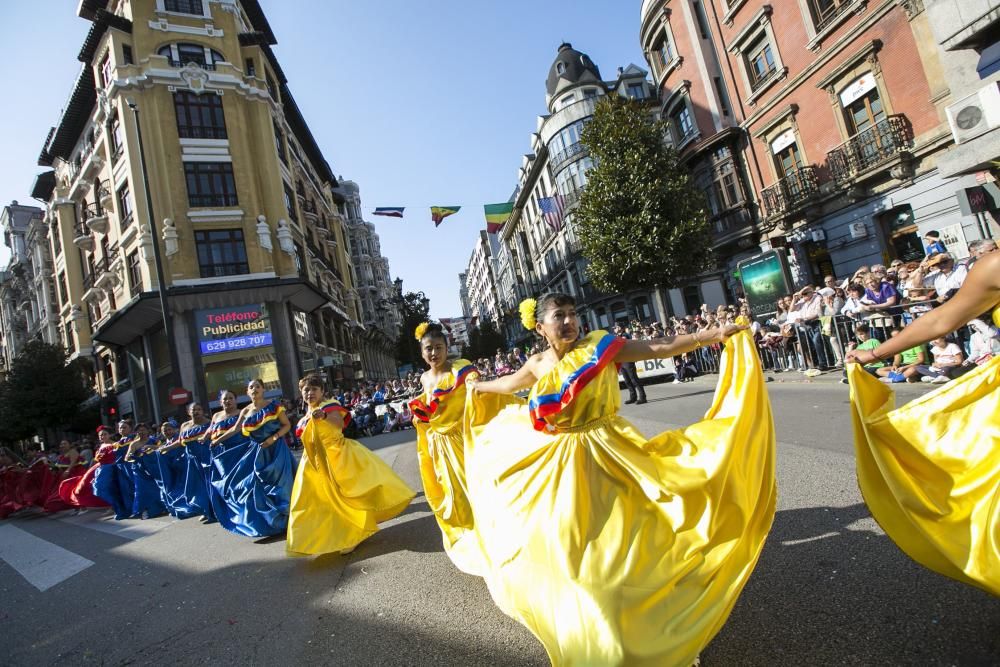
(617,550)
(341,492)
(930,471)
(442,471)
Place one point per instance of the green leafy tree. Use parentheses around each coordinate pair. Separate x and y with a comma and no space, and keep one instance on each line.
(414,311)
(43,391)
(641,221)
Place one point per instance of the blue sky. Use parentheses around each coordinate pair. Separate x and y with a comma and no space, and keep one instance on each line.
(422,103)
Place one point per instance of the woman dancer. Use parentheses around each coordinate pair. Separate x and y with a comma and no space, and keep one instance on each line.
(172,462)
(253,474)
(11,472)
(78,491)
(438,413)
(111,484)
(930,470)
(194,460)
(342,489)
(141,454)
(69,468)
(613,549)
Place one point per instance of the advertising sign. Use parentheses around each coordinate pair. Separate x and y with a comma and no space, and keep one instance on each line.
(648,368)
(765,278)
(231,329)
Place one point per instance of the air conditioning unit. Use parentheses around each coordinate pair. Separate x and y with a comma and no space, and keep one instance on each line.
(976,114)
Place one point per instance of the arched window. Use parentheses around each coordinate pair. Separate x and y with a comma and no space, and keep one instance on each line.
(182,53)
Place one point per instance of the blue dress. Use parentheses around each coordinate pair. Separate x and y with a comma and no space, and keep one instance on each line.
(110,484)
(173,466)
(146,474)
(197,470)
(252,484)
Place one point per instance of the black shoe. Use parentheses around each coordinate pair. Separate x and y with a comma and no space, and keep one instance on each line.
(631,400)
(641,401)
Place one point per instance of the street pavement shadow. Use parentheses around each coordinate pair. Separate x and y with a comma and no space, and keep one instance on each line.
(829,589)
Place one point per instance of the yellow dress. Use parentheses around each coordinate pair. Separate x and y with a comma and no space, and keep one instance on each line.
(441,452)
(930,470)
(342,490)
(613,549)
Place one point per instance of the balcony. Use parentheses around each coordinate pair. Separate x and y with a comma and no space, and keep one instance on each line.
(565,155)
(572,198)
(731,221)
(107,275)
(95,218)
(105,195)
(790,193)
(200,62)
(887,141)
(83,238)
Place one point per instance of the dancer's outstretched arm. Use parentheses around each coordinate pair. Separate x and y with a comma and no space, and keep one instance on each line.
(979,293)
(671,346)
(509,384)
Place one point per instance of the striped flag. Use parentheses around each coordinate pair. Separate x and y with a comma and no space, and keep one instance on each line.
(496,215)
(439,213)
(390,211)
(552,211)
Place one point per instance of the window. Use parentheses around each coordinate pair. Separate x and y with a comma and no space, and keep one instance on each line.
(590,93)
(720,90)
(106,75)
(210,184)
(279,142)
(560,67)
(825,11)
(664,51)
(56,241)
(271,88)
(290,202)
(125,206)
(566,101)
(759,62)
(636,91)
(115,135)
(61,284)
(199,116)
(699,15)
(221,252)
(127,58)
(181,54)
(566,142)
(134,269)
(682,123)
(788,159)
(184,7)
(251,68)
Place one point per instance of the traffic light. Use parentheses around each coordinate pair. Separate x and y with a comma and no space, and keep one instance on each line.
(109,409)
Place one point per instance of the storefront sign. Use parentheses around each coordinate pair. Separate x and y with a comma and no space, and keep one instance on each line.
(858,89)
(765,279)
(231,329)
(953,238)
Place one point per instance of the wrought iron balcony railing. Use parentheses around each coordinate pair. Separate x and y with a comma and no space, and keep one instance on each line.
(870,148)
(791,192)
(565,155)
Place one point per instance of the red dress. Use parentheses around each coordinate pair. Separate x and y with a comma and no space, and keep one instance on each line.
(64,471)
(78,490)
(37,483)
(10,490)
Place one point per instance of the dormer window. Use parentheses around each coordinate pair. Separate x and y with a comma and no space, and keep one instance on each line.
(560,67)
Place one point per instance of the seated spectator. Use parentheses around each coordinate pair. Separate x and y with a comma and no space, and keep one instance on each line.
(864,342)
(393,420)
(947,363)
(904,365)
(380,396)
(984,343)
(685,369)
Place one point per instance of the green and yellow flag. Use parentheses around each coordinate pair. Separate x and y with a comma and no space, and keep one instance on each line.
(439,213)
(496,215)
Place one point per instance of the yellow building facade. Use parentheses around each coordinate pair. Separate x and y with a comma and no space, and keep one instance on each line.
(250,229)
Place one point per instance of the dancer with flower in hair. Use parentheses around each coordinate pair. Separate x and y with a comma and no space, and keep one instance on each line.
(437,416)
(342,490)
(614,549)
(254,472)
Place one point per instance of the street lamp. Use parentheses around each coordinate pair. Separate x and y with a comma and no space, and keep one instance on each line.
(161,283)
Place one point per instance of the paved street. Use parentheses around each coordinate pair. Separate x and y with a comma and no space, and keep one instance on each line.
(829,589)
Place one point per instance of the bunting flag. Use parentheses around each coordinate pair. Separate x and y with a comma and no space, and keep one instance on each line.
(496,215)
(389,211)
(439,213)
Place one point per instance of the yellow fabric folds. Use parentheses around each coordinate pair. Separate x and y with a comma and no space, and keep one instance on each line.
(930,471)
(441,452)
(613,549)
(342,490)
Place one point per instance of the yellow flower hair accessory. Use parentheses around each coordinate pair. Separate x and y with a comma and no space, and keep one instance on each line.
(421,329)
(527,309)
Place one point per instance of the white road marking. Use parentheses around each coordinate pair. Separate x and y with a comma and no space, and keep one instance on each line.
(42,563)
(129,529)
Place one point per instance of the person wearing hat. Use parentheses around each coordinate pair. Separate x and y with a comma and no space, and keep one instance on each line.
(950,276)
